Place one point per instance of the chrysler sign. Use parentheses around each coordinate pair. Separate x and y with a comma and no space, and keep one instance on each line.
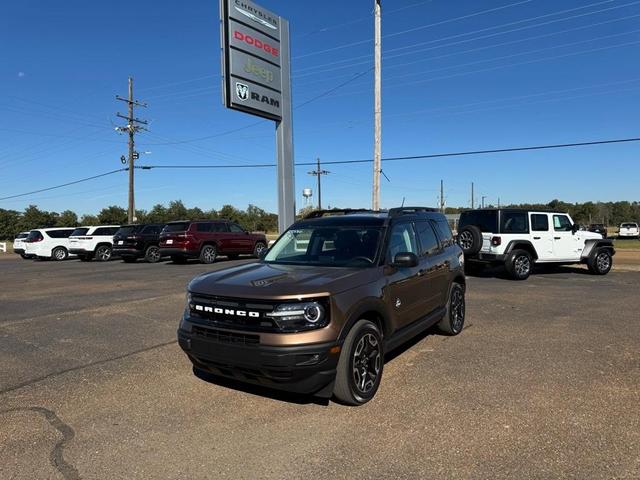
(252,59)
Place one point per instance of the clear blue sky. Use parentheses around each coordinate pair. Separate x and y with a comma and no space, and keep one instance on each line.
(457,75)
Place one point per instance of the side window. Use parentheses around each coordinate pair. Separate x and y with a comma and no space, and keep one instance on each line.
(219,227)
(151,230)
(539,222)
(402,239)
(100,231)
(514,222)
(235,228)
(561,223)
(444,232)
(66,233)
(428,240)
(203,227)
(54,234)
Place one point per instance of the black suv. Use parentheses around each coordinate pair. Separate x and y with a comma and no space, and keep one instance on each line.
(336,291)
(132,242)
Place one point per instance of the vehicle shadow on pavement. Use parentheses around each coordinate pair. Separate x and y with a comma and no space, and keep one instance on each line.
(260,391)
(501,273)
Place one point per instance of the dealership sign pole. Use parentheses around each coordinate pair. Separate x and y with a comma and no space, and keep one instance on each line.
(256,79)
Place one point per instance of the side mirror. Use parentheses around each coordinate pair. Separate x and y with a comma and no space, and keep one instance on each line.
(405,260)
(575,227)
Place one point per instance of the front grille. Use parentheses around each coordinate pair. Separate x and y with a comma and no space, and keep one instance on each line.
(259,323)
(226,337)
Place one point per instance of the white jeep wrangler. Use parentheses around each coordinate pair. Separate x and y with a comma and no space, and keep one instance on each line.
(518,239)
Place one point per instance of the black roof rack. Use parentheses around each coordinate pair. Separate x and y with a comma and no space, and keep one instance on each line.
(396,212)
(339,211)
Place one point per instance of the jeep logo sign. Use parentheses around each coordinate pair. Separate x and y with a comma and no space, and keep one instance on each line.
(252,56)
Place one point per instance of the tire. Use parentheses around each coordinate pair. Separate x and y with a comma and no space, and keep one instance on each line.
(470,239)
(601,262)
(453,321)
(258,249)
(363,344)
(103,253)
(208,254)
(152,255)
(128,259)
(178,259)
(59,253)
(519,265)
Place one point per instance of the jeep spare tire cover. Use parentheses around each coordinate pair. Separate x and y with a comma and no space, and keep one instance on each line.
(470,239)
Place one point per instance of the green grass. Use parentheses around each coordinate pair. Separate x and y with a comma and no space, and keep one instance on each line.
(627,244)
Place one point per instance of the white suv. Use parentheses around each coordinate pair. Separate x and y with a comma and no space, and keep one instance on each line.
(518,238)
(48,243)
(629,230)
(90,242)
(18,244)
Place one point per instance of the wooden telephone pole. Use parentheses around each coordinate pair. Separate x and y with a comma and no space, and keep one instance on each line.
(318,172)
(133,126)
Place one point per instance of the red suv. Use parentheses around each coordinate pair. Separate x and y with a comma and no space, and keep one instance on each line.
(206,239)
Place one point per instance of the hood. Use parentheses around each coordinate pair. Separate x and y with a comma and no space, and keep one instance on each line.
(269,281)
(590,235)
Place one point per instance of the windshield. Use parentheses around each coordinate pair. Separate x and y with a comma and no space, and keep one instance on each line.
(176,227)
(327,246)
(79,232)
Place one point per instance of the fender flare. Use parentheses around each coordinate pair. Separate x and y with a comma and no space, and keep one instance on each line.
(513,243)
(371,304)
(592,245)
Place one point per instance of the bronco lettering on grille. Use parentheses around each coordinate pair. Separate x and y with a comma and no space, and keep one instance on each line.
(227,311)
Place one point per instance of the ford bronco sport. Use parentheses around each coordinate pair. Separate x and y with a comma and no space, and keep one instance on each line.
(518,238)
(318,312)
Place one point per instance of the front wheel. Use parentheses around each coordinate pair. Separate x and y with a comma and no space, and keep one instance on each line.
(258,249)
(453,321)
(519,265)
(152,255)
(103,253)
(360,366)
(208,254)
(601,262)
(59,254)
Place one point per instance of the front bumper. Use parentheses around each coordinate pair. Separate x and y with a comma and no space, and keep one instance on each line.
(305,369)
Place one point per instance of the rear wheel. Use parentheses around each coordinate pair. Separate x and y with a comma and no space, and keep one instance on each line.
(453,321)
(601,262)
(208,254)
(59,253)
(360,366)
(519,265)
(152,255)
(103,253)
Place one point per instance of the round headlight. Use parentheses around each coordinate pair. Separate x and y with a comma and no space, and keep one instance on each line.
(313,312)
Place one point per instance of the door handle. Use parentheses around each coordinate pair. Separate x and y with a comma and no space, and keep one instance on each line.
(557,238)
(536,238)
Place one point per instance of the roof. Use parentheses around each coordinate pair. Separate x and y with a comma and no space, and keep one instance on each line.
(364,217)
(541,210)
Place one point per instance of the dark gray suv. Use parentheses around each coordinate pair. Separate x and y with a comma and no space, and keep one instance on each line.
(319,311)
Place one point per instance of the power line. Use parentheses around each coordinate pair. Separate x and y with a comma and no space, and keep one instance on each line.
(345,162)
(65,184)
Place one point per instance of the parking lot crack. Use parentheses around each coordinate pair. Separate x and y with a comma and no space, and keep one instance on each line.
(56,457)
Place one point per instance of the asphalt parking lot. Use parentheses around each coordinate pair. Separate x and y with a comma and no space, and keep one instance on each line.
(544,382)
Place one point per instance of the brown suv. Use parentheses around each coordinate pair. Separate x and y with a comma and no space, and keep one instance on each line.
(206,239)
(333,294)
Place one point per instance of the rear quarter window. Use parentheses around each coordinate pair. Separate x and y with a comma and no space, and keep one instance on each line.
(176,227)
(78,232)
(485,220)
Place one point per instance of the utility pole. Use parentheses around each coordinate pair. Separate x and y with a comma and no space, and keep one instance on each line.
(377,109)
(498,202)
(472,199)
(483,197)
(318,172)
(132,127)
(442,196)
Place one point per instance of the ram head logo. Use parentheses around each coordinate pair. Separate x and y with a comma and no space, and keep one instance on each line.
(242,91)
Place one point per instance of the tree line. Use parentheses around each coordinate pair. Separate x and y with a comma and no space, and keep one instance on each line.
(13,221)
(257,219)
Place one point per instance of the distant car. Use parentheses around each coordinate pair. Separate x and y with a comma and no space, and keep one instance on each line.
(206,239)
(132,242)
(629,230)
(93,242)
(18,244)
(48,243)
(598,228)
